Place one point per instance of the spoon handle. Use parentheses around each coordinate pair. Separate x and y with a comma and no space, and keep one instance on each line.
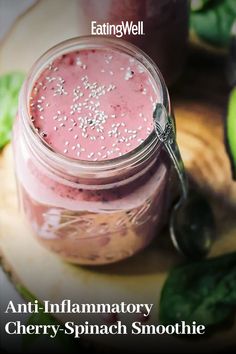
(165,130)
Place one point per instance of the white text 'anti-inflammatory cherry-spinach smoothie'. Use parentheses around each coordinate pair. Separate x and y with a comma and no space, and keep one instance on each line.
(93,186)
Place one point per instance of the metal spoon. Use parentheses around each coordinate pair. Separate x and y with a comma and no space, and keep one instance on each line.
(191,221)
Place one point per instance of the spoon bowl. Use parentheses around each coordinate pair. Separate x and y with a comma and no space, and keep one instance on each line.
(192,226)
(191,223)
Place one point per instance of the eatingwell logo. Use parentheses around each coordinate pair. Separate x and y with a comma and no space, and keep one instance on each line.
(119,30)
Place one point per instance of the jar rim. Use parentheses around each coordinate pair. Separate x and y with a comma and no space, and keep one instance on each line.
(77,166)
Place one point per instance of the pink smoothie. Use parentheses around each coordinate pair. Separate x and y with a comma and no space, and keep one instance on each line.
(94,104)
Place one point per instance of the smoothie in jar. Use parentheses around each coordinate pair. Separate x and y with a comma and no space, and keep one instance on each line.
(92,177)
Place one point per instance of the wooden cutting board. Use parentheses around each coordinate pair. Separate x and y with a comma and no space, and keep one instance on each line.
(199,102)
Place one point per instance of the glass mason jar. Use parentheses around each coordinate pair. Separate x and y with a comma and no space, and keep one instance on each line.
(91,212)
(165,24)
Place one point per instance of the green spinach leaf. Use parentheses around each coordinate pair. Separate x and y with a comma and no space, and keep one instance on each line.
(203,291)
(10,85)
(213,22)
(197,5)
